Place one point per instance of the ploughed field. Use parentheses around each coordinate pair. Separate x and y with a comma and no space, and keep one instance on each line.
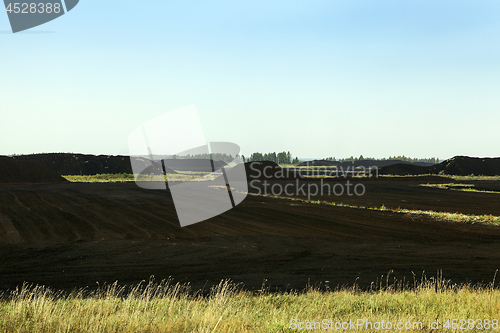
(72,235)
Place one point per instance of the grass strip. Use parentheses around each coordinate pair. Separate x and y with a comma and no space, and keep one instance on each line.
(165,307)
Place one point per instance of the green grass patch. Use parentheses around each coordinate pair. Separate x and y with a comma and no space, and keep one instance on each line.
(290,166)
(180,176)
(102,178)
(472,177)
(442,216)
(458,187)
(406,176)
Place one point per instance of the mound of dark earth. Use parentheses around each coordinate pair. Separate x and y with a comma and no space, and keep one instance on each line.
(361,163)
(403,170)
(465,166)
(203,165)
(319,163)
(458,166)
(153,169)
(264,170)
(81,164)
(12,171)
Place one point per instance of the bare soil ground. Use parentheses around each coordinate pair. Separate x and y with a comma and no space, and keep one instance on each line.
(458,166)
(13,171)
(83,164)
(73,235)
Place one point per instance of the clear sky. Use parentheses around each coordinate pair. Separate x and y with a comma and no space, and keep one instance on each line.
(317,78)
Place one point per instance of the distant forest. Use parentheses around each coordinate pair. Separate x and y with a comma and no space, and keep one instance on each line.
(401,158)
(216,157)
(279,158)
(286,158)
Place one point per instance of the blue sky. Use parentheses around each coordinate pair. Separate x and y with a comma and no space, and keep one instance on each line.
(318,78)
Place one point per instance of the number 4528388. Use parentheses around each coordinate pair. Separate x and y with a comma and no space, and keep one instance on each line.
(471,324)
(32,8)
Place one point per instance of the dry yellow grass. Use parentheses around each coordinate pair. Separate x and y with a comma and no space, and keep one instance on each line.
(173,308)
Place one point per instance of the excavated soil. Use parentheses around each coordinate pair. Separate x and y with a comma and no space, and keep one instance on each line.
(72,235)
(205,165)
(464,166)
(82,164)
(12,171)
(458,165)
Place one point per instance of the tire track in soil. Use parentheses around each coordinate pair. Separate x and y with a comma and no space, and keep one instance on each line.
(11,233)
(261,238)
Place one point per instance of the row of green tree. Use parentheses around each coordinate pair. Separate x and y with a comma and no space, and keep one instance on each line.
(280,158)
(216,157)
(287,158)
(400,157)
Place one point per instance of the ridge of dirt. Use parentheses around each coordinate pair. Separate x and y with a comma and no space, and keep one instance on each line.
(71,235)
(85,165)
(12,171)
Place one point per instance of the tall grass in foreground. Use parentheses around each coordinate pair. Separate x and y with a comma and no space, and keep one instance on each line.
(227,308)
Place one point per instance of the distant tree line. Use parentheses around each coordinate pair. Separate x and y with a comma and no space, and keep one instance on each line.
(286,158)
(216,157)
(279,158)
(401,158)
